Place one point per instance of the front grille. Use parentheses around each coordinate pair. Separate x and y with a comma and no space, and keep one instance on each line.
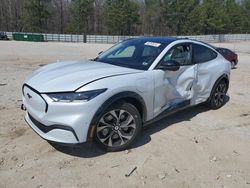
(34,98)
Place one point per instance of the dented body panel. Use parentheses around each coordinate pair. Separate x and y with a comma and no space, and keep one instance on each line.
(172,88)
(205,81)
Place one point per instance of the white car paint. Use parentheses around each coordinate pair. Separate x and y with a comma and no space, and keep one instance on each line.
(68,76)
(159,90)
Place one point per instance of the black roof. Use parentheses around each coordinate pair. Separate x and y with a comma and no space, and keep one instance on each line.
(156,39)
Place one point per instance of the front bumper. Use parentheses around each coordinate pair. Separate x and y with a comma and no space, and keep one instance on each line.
(66,123)
(55,133)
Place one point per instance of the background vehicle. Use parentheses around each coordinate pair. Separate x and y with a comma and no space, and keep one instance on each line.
(3,36)
(229,55)
(135,82)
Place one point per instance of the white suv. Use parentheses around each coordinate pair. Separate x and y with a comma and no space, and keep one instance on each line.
(111,97)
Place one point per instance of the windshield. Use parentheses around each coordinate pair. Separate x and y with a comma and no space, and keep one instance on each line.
(133,53)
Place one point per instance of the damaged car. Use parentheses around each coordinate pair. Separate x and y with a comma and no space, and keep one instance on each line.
(134,83)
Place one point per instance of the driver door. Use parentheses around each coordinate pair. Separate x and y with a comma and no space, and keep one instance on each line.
(174,89)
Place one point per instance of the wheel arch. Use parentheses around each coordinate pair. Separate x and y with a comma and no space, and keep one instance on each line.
(224,77)
(129,96)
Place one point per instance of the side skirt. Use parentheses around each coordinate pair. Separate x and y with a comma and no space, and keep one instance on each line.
(171,110)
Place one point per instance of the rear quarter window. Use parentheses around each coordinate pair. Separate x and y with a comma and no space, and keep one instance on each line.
(203,54)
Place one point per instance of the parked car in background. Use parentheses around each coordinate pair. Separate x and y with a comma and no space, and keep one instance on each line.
(132,84)
(229,55)
(3,36)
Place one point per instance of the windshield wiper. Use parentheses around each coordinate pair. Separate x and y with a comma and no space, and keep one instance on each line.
(94,59)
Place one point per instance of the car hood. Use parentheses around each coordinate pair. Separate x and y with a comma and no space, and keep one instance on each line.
(71,75)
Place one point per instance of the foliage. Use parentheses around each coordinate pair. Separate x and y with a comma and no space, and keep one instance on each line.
(82,10)
(152,19)
(126,17)
(36,15)
(121,16)
(176,13)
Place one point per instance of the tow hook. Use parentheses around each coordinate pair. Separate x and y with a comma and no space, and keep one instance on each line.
(23,107)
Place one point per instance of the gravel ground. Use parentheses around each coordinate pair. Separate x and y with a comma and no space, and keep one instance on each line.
(197,147)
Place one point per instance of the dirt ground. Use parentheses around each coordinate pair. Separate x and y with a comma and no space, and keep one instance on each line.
(194,148)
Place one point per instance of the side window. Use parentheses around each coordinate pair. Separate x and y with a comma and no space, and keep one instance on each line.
(203,54)
(123,53)
(180,53)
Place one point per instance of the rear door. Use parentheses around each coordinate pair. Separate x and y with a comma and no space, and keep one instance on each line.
(208,71)
(173,88)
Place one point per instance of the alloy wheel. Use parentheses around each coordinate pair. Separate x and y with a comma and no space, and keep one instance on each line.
(220,93)
(116,128)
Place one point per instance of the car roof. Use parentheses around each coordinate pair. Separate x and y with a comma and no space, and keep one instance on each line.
(155,39)
(167,40)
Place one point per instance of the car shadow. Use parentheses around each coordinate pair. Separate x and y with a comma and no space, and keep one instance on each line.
(184,115)
(92,150)
(88,150)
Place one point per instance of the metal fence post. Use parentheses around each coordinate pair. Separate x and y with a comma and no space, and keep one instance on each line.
(85,38)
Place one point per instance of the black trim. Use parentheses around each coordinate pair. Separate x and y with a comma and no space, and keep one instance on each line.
(103,90)
(117,97)
(46,129)
(37,92)
(171,110)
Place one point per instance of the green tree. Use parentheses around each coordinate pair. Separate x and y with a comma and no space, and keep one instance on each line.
(246,14)
(196,21)
(236,18)
(210,17)
(176,13)
(36,15)
(216,19)
(152,19)
(82,12)
(121,16)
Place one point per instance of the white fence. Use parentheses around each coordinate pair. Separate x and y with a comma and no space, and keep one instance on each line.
(220,38)
(115,39)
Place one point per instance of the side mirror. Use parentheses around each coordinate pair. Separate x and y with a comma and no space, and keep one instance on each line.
(171,65)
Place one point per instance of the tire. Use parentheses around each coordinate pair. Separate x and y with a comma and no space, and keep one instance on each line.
(218,96)
(118,127)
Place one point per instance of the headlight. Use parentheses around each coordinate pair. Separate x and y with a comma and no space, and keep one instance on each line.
(75,96)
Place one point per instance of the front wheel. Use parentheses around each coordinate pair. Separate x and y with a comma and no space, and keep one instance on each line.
(218,97)
(118,127)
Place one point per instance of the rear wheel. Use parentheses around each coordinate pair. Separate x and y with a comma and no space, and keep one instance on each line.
(118,127)
(218,97)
